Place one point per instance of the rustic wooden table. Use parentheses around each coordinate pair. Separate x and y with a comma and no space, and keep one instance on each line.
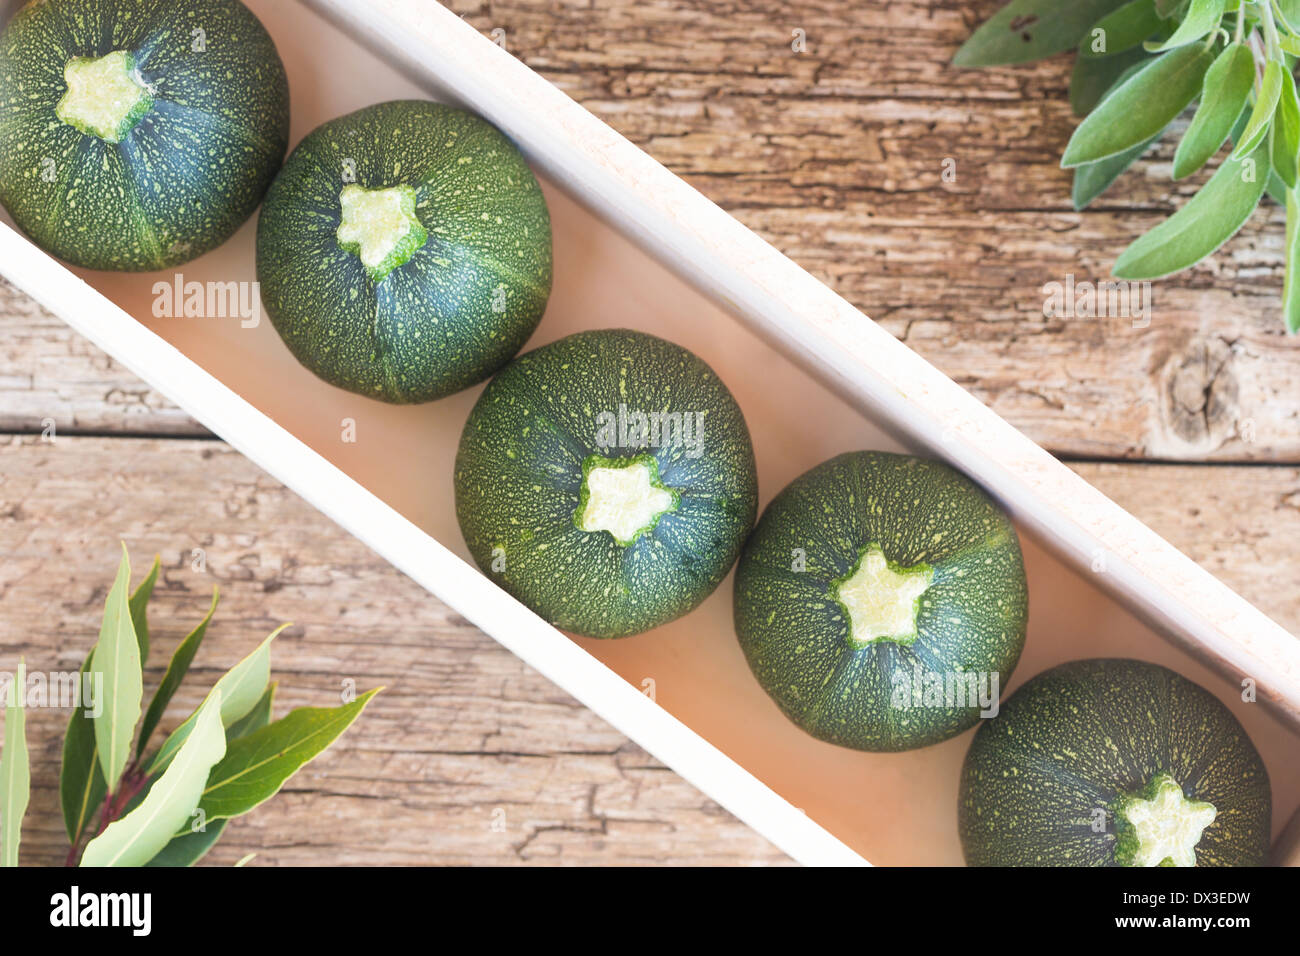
(836,154)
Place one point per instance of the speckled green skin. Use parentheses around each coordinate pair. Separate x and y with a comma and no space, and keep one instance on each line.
(188,174)
(795,635)
(1082,736)
(460,307)
(519,479)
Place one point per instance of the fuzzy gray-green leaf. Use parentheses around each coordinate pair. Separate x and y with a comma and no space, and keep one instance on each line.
(1291,283)
(1206,222)
(1027,30)
(1121,30)
(1227,87)
(1285,133)
(1261,116)
(1141,108)
(1201,17)
(1093,179)
(1093,79)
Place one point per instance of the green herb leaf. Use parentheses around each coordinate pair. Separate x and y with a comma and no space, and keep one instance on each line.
(1276,189)
(1228,82)
(1093,79)
(1202,17)
(241,687)
(15,770)
(188,848)
(141,835)
(1167,8)
(117,657)
(256,767)
(1290,13)
(1285,133)
(140,609)
(82,787)
(1261,117)
(1291,284)
(1206,222)
(1122,30)
(1093,179)
(1027,30)
(176,670)
(1139,109)
(255,719)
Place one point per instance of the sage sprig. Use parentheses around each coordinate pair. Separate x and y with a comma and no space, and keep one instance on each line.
(1139,64)
(168,807)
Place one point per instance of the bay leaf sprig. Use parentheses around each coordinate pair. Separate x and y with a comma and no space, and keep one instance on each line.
(126,806)
(1139,65)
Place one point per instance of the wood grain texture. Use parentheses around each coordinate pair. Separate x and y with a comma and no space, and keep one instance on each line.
(835,155)
(468,756)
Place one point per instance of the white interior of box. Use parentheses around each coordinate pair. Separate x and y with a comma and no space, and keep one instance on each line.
(890,808)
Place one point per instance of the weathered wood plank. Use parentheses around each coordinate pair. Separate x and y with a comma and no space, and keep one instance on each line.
(468,756)
(837,155)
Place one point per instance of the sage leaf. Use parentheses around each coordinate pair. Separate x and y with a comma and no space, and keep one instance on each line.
(1141,108)
(1206,222)
(1093,79)
(15,770)
(241,687)
(139,609)
(1286,132)
(117,657)
(1289,10)
(1227,86)
(1093,179)
(1291,284)
(176,670)
(1027,30)
(82,787)
(1122,30)
(1261,116)
(1202,17)
(1276,189)
(256,767)
(139,836)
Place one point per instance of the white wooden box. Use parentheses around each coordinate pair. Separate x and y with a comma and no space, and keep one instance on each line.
(637,247)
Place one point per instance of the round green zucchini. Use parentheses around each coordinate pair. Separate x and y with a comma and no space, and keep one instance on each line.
(607,481)
(1113,762)
(881,601)
(137,135)
(404,251)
